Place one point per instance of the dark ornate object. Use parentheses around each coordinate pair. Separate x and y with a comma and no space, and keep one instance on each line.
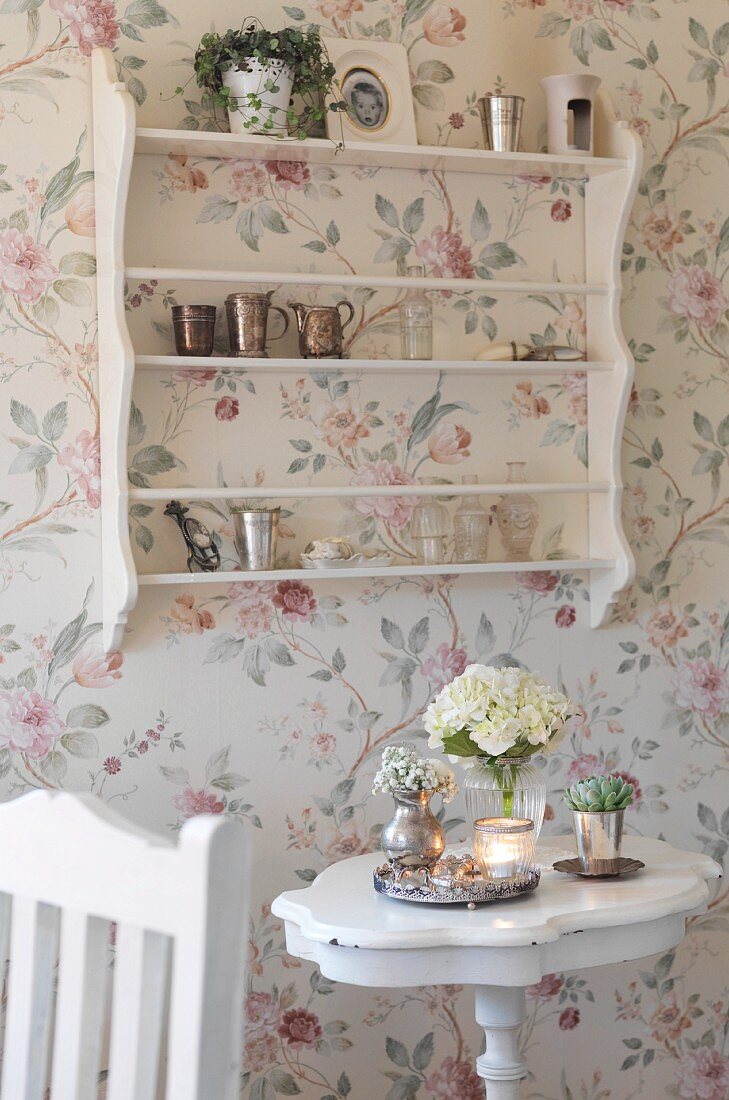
(201,550)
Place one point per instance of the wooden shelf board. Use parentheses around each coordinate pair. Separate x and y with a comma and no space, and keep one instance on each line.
(200,143)
(311,492)
(171,275)
(365,366)
(370,573)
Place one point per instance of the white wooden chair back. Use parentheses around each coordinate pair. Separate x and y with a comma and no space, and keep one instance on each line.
(74,875)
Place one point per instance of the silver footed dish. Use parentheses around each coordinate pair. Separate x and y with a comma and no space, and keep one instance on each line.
(574,867)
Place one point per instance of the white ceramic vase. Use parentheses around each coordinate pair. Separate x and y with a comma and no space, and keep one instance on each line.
(570,93)
(270,117)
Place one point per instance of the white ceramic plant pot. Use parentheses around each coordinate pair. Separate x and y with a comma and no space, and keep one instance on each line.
(270,118)
(570,93)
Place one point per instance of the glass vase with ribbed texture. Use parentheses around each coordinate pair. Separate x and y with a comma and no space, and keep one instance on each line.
(511,787)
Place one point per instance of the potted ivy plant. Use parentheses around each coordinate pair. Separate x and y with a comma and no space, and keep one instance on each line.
(254,73)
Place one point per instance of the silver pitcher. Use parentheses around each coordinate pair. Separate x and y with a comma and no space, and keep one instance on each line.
(414,836)
(256,536)
(501,120)
(321,329)
(599,837)
(248,323)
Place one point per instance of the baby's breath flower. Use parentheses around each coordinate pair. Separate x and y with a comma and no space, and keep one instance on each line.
(403,770)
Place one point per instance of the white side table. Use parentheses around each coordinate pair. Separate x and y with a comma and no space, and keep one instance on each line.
(357,936)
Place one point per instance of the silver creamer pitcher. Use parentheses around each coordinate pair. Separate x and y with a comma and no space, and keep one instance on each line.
(321,329)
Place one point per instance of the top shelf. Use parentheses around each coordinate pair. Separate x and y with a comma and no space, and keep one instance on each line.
(202,143)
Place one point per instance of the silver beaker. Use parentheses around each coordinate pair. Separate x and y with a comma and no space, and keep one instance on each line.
(501,117)
(256,536)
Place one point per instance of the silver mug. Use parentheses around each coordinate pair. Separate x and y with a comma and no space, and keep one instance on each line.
(501,117)
(256,537)
(248,324)
(194,328)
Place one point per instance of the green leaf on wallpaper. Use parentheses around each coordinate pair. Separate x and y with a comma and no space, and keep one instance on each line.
(419,634)
(24,86)
(708,462)
(333,234)
(720,41)
(73,291)
(284,1082)
(315,246)
(638,63)
(55,421)
(392,633)
(703,427)
(485,636)
(429,96)
(480,222)
(19,220)
(30,458)
(498,255)
(272,219)
(217,209)
(437,72)
(154,459)
(137,427)
(87,716)
(47,311)
(553,26)
(581,43)
(652,52)
(414,10)
(77,263)
(722,433)
(386,211)
(250,229)
(143,538)
(600,36)
(698,33)
(147,13)
(66,182)
(80,743)
(24,417)
(297,14)
(413,216)
(423,1052)
(392,250)
(136,89)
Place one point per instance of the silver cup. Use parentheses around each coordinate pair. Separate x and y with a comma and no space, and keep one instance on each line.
(599,837)
(501,117)
(256,537)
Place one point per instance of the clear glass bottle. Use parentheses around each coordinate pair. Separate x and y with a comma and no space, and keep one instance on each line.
(517,515)
(471,526)
(506,787)
(416,321)
(429,528)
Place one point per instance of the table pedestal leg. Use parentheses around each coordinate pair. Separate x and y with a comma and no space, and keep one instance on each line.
(501,1012)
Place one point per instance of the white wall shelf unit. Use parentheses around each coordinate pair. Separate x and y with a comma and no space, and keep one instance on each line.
(611,182)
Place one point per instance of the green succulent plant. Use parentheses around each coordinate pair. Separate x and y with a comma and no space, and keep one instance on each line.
(599,794)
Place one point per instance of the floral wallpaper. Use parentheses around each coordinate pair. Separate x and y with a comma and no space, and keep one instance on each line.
(270,702)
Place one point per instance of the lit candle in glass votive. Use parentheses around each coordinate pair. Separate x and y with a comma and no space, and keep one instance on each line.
(503,846)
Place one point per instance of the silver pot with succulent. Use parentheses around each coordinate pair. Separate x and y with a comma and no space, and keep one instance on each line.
(258,76)
(598,806)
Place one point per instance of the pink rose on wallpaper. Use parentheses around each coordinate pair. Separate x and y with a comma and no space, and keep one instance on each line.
(565,616)
(338,9)
(582,767)
(455,1081)
(694,293)
(195,378)
(295,600)
(95,669)
(26,267)
(561,211)
(80,214)
(569,1018)
(664,627)
(703,1074)
(394,511)
(669,1021)
(290,174)
(659,231)
(537,182)
(539,581)
(262,1014)
(254,617)
(227,408)
(620,5)
(91,22)
(190,802)
(702,686)
(548,987)
(444,25)
(444,664)
(446,254)
(341,424)
(343,845)
(29,723)
(300,1029)
(449,443)
(83,461)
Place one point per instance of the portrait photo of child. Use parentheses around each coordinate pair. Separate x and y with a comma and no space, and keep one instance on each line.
(367,99)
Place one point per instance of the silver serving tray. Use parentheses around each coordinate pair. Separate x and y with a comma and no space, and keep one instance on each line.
(478,891)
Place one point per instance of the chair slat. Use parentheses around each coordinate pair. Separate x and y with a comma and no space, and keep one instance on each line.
(33,955)
(82,992)
(5,911)
(141,982)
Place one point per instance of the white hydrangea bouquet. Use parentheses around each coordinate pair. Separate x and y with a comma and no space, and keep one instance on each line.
(403,770)
(496,713)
